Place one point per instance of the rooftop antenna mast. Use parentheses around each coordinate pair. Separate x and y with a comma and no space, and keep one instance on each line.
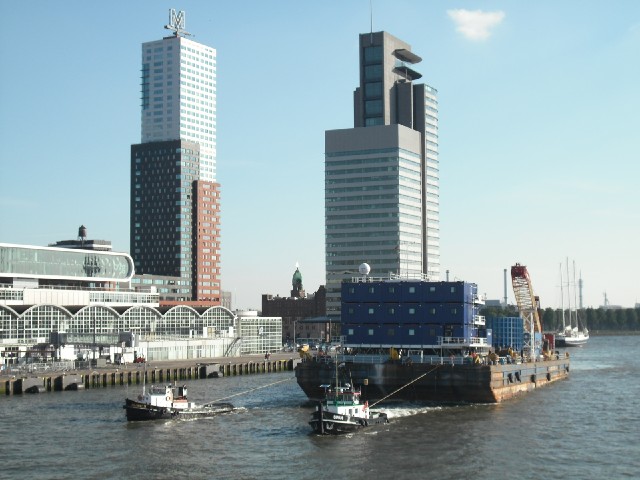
(177,21)
(371,19)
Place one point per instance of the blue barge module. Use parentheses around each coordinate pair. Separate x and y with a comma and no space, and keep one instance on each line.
(423,341)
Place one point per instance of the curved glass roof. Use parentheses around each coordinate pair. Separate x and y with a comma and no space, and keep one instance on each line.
(50,262)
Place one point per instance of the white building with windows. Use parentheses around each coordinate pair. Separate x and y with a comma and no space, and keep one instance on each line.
(179,93)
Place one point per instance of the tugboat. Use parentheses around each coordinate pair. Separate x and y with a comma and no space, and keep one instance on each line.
(342,412)
(170,402)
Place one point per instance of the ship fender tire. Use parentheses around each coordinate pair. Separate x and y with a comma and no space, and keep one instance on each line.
(329,426)
(518,376)
(363,423)
(548,377)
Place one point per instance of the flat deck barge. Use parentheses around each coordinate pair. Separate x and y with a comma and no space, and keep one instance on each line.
(440,381)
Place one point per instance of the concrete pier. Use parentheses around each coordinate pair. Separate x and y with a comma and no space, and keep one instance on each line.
(29,385)
(156,372)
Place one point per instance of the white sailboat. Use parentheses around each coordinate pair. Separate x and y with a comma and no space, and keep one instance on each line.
(574,333)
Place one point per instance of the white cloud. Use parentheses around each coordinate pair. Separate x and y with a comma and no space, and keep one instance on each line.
(475,24)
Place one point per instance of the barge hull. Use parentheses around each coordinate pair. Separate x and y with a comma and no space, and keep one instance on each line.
(428,383)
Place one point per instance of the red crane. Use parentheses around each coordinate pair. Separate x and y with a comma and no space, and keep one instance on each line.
(528,303)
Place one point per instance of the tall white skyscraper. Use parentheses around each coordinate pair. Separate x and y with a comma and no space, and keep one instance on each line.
(179,93)
(175,200)
(382,176)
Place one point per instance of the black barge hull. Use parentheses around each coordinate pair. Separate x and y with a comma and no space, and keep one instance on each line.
(437,384)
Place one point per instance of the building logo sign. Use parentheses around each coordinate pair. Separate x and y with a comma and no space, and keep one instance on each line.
(177,22)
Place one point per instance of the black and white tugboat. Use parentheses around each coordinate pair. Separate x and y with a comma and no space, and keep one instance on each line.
(342,412)
(170,402)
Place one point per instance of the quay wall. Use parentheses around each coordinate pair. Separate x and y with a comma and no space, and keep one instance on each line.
(135,375)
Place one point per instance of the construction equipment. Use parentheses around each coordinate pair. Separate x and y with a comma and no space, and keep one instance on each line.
(528,305)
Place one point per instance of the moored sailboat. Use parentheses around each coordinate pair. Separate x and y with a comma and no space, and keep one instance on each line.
(574,332)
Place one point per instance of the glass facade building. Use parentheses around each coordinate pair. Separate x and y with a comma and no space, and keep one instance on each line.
(81,299)
(382,176)
(60,263)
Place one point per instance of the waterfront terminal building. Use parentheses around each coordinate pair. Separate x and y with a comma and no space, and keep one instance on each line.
(67,304)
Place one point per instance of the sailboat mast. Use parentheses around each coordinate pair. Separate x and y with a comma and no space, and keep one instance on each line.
(569,295)
(564,320)
(575,293)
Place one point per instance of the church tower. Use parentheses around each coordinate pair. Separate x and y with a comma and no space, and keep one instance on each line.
(297,290)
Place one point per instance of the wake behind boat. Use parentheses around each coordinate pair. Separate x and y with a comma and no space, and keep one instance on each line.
(342,412)
(170,402)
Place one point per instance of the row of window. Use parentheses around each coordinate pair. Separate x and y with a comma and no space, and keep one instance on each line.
(350,235)
(372,152)
(358,226)
(413,162)
(374,206)
(394,179)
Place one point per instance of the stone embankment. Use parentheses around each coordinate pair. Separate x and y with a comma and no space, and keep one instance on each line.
(18,382)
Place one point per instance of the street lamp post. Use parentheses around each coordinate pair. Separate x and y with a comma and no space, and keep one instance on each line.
(294,333)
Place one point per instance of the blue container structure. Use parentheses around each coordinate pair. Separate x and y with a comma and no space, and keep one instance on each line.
(507,332)
(411,314)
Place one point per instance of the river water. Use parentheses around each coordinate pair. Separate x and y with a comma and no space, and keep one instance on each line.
(586,427)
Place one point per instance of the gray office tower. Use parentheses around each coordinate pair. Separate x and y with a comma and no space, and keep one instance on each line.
(382,176)
(175,207)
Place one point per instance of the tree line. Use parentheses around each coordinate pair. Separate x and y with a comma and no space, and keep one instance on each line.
(600,319)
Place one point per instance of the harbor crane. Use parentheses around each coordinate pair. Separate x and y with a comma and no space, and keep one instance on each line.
(528,305)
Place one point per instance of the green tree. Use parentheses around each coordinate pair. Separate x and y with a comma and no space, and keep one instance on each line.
(633,320)
(591,319)
(602,319)
(549,323)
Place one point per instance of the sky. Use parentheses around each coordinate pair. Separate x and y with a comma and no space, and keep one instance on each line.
(539,131)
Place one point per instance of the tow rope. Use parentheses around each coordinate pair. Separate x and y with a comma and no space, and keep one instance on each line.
(404,386)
